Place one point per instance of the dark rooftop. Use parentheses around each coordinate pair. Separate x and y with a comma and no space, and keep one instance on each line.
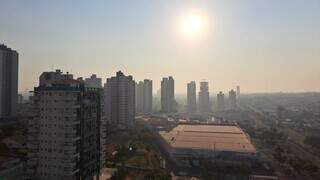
(5,48)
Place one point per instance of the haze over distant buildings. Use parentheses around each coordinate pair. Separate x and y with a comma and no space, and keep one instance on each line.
(220,102)
(204,98)
(144,96)
(261,45)
(238,91)
(148,120)
(232,99)
(167,95)
(191,97)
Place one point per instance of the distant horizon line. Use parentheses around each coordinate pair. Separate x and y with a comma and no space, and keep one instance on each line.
(27,90)
(242,93)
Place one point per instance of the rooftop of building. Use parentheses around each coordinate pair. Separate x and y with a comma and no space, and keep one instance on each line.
(67,81)
(120,75)
(5,48)
(209,137)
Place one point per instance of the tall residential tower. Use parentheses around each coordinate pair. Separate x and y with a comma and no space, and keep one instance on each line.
(232,99)
(119,101)
(167,95)
(139,97)
(220,101)
(144,97)
(148,96)
(204,98)
(8,82)
(191,97)
(64,136)
(238,91)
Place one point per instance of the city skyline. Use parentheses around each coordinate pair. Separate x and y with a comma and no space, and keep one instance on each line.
(161,89)
(259,45)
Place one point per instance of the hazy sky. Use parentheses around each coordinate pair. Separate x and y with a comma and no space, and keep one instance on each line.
(261,45)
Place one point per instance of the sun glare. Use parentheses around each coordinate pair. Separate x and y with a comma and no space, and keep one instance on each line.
(193,25)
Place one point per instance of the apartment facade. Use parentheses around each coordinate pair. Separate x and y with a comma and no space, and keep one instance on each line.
(148,96)
(191,97)
(144,97)
(119,101)
(167,95)
(232,99)
(204,98)
(139,96)
(8,81)
(93,81)
(220,102)
(64,135)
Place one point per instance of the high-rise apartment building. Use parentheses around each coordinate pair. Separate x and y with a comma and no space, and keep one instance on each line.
(167,95)
(191,97)
(238,91)
(119,101)
(64,135)
(139,96)
(93,81)
(144,97)
(204,98)
(232,99)
(220,102)
(8,81)
(148,96)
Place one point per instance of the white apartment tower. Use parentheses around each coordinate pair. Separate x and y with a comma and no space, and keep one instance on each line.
(8,82)
(63,137)
(119,101)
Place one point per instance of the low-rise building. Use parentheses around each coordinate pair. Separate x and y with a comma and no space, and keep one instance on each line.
(189,145)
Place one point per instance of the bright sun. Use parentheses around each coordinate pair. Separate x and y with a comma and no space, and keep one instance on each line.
(192,25)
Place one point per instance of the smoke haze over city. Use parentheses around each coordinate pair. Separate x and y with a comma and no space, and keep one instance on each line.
(266,46)
(160,89)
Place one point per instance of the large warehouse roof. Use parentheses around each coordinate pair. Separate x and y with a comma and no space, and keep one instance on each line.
(209,137)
